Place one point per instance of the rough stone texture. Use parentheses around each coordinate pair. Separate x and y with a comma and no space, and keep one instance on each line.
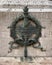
(17,61)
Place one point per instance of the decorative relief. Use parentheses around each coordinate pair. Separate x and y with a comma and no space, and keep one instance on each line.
(26,31)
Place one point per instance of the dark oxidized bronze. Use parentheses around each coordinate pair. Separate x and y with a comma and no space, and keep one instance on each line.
(27,33)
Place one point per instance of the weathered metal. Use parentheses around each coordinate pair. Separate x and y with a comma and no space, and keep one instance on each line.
(27,33)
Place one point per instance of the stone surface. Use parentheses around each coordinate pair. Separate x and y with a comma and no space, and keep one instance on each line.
(6,19)
(16,61)
(39,58)
(24,1)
